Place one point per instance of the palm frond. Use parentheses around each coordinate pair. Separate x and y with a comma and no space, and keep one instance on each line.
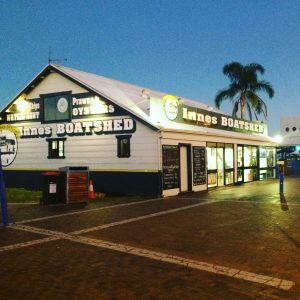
(257,104)
(224,94)
(233,71)
(249,110)
(264,86)
(257,68)
(235,109)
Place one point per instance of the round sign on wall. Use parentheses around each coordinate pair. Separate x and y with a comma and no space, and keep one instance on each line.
(171,107)
(8,147)
(62,105)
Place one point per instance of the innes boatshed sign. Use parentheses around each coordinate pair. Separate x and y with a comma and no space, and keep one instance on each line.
(108,126)
(178,112)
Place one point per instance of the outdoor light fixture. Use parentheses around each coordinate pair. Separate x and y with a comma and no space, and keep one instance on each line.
(278,139)
(22,105)
(98,106)
(146,94)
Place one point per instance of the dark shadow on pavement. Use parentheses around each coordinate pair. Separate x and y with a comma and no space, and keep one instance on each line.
(283,202)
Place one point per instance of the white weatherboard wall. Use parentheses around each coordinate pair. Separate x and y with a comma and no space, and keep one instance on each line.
(55,83)
(99,152)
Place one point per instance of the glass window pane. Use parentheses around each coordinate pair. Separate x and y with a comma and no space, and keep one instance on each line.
(263,157)
(56,108)
(253,156)
(123,146)
(211,179)
(240,156)
(271,157)
(228,158)
(250,175)
(229,177)
(211,158)
(240,175)
(56,148)
(61,149)
(266,174)
(54,145)
(250,156)
(49,109)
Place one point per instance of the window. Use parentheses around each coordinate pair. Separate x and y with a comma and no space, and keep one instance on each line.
(250,156)
(229,156)
(211,158)
(262,157)
(56,148)
(250,175)
(240,156)
(56,107)
(271,160)
(123,145)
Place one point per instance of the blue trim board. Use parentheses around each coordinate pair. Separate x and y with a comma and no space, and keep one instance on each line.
(112,183)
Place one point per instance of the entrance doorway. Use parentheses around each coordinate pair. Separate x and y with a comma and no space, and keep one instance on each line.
(220,165)
(185,168)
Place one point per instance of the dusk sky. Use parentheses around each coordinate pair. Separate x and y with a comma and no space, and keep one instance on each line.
(177,47)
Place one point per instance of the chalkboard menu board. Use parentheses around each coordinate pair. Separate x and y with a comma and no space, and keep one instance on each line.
(170,165)
(199,165)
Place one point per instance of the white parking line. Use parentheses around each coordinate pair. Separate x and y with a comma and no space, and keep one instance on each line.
(177,260)
(28,244)
(263,202)
(194,264)
(87,210)
(169,211)
(20,225)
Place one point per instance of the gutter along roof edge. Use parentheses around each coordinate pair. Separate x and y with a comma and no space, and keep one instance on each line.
(230,134)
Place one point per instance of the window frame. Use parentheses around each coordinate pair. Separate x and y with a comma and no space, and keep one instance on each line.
(67,95)
(119,147)
(50,149)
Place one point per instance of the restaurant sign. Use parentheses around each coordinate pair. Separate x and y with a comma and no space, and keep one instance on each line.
(98,127)
(178,112)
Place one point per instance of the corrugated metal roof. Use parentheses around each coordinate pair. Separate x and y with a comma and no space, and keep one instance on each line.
(135,99)
(131,97)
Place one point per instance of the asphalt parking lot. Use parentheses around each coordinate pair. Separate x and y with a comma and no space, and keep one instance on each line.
(239,242)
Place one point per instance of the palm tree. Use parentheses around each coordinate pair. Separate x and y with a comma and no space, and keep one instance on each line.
(243,89)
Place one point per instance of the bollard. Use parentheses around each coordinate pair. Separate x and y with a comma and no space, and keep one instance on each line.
(281,182)
(5,218)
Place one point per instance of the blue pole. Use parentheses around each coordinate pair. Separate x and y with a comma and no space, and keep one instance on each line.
(5,218)
(281,182)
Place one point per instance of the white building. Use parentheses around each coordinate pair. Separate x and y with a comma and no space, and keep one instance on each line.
(290,131)
(134,140)
(289,151)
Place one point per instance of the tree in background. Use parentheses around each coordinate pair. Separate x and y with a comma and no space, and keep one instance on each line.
(244,88)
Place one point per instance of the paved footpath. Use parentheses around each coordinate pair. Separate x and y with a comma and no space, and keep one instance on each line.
(239,242)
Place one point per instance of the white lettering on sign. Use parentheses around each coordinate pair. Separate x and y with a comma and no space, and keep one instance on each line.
(81,128)
(90,106)
(23,116)
(206,119)
(33,132)
(97,127)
